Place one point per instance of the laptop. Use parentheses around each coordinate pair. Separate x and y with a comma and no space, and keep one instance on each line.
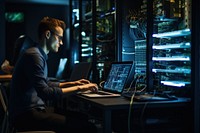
(61,67)
(80,71)
(115,82)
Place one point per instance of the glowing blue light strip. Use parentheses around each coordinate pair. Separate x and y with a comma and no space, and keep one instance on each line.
(186,71)
(84,45)
(76,25)
(86,49)
(173,33)
(180,45)
(86,55)
(171,59)
(128,52)
(140,46)
(175,83)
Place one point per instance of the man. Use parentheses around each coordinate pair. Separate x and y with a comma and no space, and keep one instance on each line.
(30,86)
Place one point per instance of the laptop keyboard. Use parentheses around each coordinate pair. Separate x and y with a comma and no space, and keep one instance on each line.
(99,93)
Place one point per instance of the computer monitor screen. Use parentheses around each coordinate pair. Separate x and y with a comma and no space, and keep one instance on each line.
(117,76)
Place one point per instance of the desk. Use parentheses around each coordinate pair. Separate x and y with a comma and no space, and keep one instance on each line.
(5,78)
(107,105)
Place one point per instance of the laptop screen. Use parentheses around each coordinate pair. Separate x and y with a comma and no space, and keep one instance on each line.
(80,70)
(117,76)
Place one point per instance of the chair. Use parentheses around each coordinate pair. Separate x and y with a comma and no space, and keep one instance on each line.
(5,127)
(22,43)
(5,122)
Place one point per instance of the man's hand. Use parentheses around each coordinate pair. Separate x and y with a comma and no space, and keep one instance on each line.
(73,83)
(90,86)
(81,82)
(84,87)
(6,67)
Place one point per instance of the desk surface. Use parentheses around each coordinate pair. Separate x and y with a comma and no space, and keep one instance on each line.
(121,102)
(6,77)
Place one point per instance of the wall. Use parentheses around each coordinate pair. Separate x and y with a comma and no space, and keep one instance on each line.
(2,32)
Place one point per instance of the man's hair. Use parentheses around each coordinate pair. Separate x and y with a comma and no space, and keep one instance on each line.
(48,23)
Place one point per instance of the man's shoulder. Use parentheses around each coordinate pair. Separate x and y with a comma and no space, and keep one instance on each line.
(32,50)
(35,52)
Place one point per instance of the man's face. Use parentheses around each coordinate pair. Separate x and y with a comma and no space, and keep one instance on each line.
(55,39)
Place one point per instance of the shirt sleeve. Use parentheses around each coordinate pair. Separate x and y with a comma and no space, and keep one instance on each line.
(38,75)
(53,84)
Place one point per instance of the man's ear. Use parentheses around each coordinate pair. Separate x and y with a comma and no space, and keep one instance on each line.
(47,34)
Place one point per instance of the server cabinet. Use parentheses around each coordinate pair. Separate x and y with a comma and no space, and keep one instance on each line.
(94,32)
(156,35)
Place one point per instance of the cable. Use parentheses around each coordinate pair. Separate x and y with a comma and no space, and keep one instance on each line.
(143,89)
(132,83)
(100,84)
(143,110)
(129,113)
(145,105)
(131,103)
(132,98)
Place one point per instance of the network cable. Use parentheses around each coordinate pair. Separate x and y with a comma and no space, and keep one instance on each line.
(131,102)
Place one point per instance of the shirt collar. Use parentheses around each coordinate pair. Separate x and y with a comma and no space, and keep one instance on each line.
(43,53)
